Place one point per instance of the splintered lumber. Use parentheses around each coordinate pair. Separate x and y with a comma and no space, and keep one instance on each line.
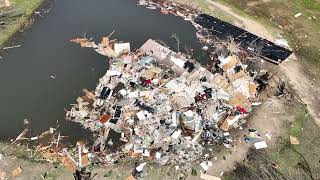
(16,172)
(68,161)
(20,135)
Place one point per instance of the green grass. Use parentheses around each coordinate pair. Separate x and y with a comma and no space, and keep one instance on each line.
(278,16)
(302,32)
(296,128)
(291,158)
(288,155)
(27,7)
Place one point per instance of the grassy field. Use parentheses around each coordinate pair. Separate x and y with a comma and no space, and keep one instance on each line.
(294,161)
(12,25)
(279,17)
(302,32)
(300,160)
(284,160)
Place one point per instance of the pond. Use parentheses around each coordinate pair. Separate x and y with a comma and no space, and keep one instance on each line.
(40,79)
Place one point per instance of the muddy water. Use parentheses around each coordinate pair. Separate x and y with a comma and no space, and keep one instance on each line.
(27,88)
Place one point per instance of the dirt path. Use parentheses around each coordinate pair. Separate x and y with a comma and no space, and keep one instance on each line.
(243,22)
(306,88)
(273,115)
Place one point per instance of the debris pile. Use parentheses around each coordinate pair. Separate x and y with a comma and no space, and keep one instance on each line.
(48,146)
(209,28)
(106,47)
(165,107)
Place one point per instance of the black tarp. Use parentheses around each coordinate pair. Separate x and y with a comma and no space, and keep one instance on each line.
(245,39)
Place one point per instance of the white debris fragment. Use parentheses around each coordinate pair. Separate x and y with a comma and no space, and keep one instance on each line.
(260,145)
(268,135)
(204,166)
(158,155)
(282,42)
(34,138)
(146,153)
(121,48)
(51,130)
(141,115)
(113,73)
(176,134)
(26,122)
(294,140)
(297,15)
(205,48)
(140,167)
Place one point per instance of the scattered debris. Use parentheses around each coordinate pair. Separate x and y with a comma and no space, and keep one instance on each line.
(208,177)
(106,47)
(140,167)
(21,135)
(260,145)
(2,175)
(26,121)
(298,15)
(294,140)
(16,172)
(268,135)
(165,105)
(11,47)
(162,106)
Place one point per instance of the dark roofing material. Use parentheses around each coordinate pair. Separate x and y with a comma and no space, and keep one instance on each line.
(247,40)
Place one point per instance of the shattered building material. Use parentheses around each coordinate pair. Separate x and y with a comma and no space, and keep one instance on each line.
(294,140)
(2,174)
(106,47)
(245,39)
(21,135)
(121,48)
(260,145)
(68,161)
(16,172)
(165,106)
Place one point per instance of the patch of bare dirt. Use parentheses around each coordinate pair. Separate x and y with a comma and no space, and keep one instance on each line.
(272,116)
(307,89)
(246,23)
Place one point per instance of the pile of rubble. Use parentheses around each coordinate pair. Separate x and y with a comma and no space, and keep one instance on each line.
(166,108)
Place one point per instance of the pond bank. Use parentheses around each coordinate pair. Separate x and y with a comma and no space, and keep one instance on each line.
(26,8)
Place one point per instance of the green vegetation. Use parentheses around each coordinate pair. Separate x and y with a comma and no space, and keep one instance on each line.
(109,173)
(296,128)
(300,160)
(21,152)
(286,161)
(194,172)
(12,25)
(302,32)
